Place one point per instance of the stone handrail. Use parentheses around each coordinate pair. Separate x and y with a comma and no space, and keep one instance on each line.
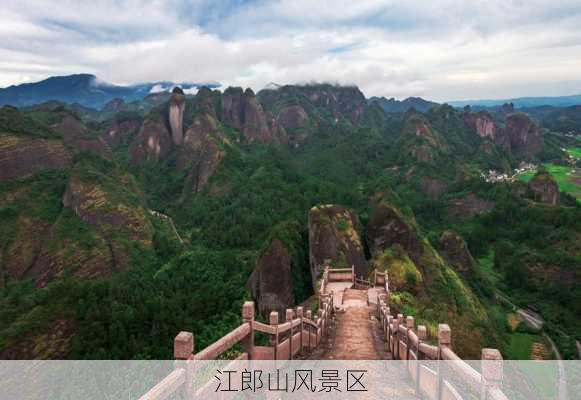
(405,343)
(301,332)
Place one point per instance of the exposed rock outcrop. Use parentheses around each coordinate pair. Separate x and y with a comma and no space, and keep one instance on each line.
(456,252)
(523,134)
(243,111)
(201,152)
(469,206)
(334,241)
(153,142)
(22,156)
(418,140)
(545,188)
(484,125)
(519,136)
(271,282)
(120,130)
(177,105)
(77,137)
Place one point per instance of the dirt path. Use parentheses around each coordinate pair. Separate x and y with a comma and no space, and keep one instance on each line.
(354,333)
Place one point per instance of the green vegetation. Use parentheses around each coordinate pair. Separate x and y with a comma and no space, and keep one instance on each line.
(260,192)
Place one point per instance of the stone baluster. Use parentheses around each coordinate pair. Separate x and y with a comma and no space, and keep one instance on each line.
(422,336)
(183,352)
(289,318)
(248,317)
(444,341)
(273,320)
(492,371)
(444,338)
(409,323)
(309,315)
(394,339)
(301,327)
(322,326)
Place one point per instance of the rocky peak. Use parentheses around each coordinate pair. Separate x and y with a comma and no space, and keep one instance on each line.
(523,134)
(242,110)
(456,252)
(545,188)
(483,124)
(177,105)
(334,241)
(271,283)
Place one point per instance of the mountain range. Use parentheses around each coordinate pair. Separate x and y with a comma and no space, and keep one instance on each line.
(121,226)
(89,91)
(84,89)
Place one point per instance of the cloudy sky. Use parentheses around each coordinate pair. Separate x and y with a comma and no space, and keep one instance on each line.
(439,49)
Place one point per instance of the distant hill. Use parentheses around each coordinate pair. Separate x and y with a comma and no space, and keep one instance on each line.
(521,102)
(84,89)
(399,106)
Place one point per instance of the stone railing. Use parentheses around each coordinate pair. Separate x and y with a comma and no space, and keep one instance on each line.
(300,332)
(408,344)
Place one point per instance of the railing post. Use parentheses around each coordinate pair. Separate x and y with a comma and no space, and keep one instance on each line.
(409,322)
(273,320)
(353,274)
(388,333)
(422,336)
(320,318)
(444,338)
(309,316)
(183,353)
(444,341)
(395,340)
(301,327)
(248,317)
(492,371)
(289,318)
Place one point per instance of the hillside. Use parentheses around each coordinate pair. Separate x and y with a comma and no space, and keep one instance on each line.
(265,189)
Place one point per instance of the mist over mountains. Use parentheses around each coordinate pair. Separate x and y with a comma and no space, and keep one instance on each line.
(89,91)
(85,89)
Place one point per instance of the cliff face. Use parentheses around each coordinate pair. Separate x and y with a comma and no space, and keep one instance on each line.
(483,124)
(456,253)
(153,142)
(201,153)
(177,105)
(271,282)
(545,188)
(523,135)
(519,136)
(334,241)
(418,140)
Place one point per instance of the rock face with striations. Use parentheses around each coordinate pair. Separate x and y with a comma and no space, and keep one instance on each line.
(243,111)
(153,142)
(334,241)
(271,283)
(523,134)
(177,105)
(545,188)
(519,136)
(456,252)
(201,152)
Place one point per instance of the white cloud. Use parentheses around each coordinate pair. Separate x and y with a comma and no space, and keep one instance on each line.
(446,49)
